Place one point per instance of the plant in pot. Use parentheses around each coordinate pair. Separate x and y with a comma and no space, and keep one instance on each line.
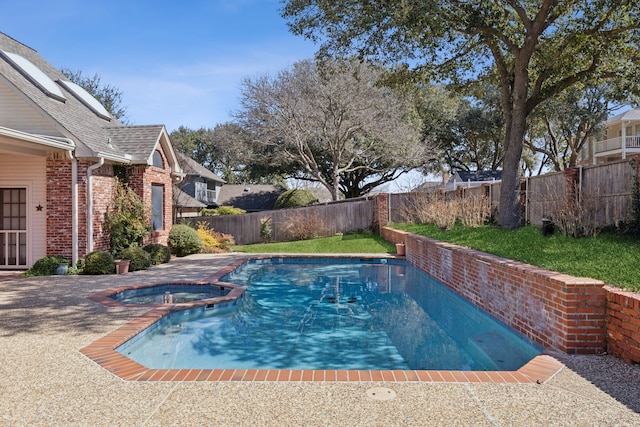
(127,222)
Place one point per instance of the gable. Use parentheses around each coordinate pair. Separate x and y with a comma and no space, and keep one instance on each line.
(16,113)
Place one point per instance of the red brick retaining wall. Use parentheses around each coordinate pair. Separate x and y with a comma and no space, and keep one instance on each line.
(553,309)
(623,324)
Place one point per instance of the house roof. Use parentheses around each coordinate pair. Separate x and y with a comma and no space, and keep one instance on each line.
(251,198)
(191,167)
(183,200)
(68,116)
(476,176)
(625,116)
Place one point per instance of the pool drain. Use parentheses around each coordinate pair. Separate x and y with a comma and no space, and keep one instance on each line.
(381,393)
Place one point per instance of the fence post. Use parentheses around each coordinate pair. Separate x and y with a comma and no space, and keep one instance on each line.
(380,211)
(571,176)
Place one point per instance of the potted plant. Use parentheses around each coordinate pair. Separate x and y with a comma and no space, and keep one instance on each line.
(400,249)
(127,222)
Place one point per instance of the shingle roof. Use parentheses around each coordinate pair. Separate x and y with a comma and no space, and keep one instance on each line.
(183,200)
(478,175)
(73,118)
(191,167)
(250,197)
(626,115)
(138,141)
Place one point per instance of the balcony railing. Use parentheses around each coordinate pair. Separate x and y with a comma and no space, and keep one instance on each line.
(632,143)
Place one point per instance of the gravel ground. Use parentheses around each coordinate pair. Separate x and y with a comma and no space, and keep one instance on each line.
(45,380)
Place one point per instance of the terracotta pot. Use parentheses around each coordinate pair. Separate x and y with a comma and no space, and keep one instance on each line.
(122,266)
(400,249)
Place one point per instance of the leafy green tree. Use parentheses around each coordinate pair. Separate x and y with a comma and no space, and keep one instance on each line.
(535,50)
(472,137)
(108,95)
(226,151)
(332,123)
(560,127)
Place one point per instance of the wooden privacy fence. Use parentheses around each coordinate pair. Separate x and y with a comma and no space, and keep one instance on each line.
(289,224)
(602,193)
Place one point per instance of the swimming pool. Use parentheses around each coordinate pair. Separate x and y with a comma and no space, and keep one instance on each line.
(301,313)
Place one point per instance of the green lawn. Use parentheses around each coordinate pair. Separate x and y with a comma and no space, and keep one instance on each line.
(612,258)
(348,243)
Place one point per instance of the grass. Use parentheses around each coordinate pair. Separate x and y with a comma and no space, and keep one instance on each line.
(612,258)
(348,243)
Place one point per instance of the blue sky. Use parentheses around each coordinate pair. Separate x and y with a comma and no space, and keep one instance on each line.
(176,62)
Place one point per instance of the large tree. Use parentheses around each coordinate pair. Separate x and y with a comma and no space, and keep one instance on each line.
(472,137)
(226,151)
(332,123)
(536,48)
(561,127)
(108,95)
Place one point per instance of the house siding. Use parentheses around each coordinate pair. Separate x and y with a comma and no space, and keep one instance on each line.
(29,171)
(17,114)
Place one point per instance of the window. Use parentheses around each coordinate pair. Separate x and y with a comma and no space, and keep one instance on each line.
(13,226)
(201,191)
(157,160)
(33,74)
(86,98)
(157,207)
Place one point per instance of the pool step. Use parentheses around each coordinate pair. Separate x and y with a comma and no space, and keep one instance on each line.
(496,350)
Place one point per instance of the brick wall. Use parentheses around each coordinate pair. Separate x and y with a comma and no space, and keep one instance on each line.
(380,210)
(140,180)
(102,185)
(623,324)
(555,310)
(59,206)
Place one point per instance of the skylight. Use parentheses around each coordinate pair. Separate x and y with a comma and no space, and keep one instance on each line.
(86,98)
(33,74)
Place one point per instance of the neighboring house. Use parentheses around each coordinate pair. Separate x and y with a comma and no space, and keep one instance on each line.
(199,182)
(472,179)
(621,139)
(251,198)
(185,206)
(59,152)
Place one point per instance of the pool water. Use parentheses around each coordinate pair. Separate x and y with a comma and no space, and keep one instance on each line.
(169,294)
(333,314)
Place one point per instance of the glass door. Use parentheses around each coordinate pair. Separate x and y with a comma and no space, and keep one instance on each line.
(13,227)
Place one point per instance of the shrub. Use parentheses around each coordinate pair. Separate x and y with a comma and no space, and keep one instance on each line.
(265,229)
(295,199)
(99,262)
(184,240)
(160,254)
(127,220)
(138,257)
(222,210)
(46,266)
(303,226)
(212,241)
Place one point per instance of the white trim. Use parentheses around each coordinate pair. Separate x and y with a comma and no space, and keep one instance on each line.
(27,185)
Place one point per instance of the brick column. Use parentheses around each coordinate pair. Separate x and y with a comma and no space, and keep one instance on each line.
(380,211)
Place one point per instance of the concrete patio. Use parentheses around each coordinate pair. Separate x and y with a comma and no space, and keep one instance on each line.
(45,380)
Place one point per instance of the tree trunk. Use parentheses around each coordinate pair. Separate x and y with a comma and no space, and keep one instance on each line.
(509,210)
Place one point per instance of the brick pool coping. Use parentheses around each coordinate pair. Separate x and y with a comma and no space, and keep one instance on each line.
(102,352)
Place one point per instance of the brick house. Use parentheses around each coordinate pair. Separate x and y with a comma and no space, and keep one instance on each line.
(59,153)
